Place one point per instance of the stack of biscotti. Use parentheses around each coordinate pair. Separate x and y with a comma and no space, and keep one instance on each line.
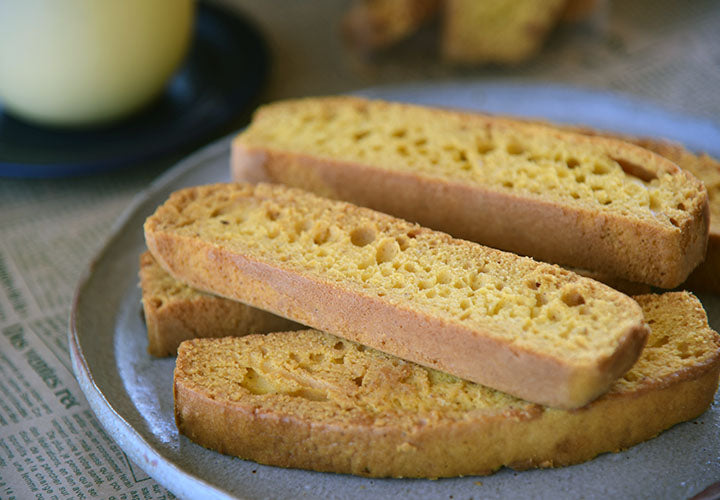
(311,394)
(588,202)
(310,400)
(541,333)
(175,312)
(533,330)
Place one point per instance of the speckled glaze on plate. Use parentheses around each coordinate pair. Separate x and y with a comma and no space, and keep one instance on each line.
(131,393)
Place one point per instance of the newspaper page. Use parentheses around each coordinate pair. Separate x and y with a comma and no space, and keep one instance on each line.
(51,444)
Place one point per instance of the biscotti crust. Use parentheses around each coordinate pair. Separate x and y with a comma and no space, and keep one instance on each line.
(640,249)
(323,423)
(544,438)
(178,313)
(396,326)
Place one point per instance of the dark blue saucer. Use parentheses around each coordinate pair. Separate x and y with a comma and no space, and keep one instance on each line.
(224,71)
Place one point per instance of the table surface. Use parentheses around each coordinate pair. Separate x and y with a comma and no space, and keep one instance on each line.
(665,52)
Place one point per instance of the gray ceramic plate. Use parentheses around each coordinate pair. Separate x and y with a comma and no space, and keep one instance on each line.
(131,393)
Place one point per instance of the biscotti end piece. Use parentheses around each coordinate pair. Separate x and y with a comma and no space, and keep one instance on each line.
(497,31)
(527,328)
(311,400)
(376,24)
(175,312)
(706,277)
(610,206)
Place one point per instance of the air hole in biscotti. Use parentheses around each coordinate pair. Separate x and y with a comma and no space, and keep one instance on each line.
(359,136)
(403,150)
(339,346)
(575,194)
(515,149)
(359,348)
(635,170)
(573,298)
(444,277)
(399,133)
(321,236)
(413,234)
(362,236)
(410,267)
(316,357)
(430,294)
(674,222)
(532,284)
(484,148)
(600,169)
(580,178)
(156,303)
(425,284)
(386,251)
(465,304)
(680,206)
(224,222)
(507,184)
(337,361)
(273,232)
(572,163)
(421,142)
(660,342)
(684,350)
(358,381)
(272,213)
(402,242)
(303,225)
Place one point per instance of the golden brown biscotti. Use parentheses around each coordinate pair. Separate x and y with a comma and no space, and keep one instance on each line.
(310,400)
(706,276)
(531,329)
(581,201)
(375,24)
(497,31)
(175,312)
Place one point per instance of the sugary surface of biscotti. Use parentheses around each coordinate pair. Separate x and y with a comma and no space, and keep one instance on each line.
(175,312)
(310,400)
(375,24)
(583,201)
(528,328)
(501,31)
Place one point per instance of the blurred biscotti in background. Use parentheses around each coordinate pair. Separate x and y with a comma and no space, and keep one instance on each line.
(472,31)
(376,24)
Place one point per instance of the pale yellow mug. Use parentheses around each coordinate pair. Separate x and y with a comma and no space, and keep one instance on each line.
(86,62)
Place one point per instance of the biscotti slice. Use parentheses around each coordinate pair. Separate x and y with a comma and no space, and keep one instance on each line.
(375,24)
(175,312)
(528,328)
(310,400)
(705,277)
(587,202)
(497,31)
